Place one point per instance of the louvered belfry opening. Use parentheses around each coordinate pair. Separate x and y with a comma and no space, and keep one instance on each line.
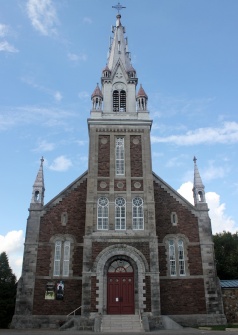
(115,101)
(122,101)
(119,101)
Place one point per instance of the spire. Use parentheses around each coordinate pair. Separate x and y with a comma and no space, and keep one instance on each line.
(97,98)
(38,187)
(198,187)
(141,99)
(118,49)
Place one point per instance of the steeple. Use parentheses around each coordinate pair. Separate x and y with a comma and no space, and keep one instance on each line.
(198,187)
(38,187)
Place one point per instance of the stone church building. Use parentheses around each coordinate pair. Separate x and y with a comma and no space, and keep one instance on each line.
(118,240)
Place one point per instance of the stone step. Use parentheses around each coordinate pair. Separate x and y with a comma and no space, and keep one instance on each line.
(121,323)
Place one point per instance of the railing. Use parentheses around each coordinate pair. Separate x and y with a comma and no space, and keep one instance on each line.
(140,317)
(73,312)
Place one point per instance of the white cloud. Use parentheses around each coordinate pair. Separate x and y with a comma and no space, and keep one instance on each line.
(217,211)
(61,163)
(77,58)
(50,117)
(214,172)
(12,244)
(226,134)
(3,30)
(83,95)
(5,46)
(220,220)
(44,146)
(43,16)
(58,96)
(87,20)
(186,191)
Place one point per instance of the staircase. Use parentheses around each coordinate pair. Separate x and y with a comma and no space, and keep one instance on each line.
(121,323)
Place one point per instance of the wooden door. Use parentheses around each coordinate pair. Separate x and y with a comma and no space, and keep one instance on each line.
(120,293)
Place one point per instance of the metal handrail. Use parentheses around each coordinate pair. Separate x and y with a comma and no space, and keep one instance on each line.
(73,312)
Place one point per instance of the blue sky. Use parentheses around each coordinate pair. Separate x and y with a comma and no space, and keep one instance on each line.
(51,56)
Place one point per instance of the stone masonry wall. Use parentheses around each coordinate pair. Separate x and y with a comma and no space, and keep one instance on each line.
(230,303)
(97,247)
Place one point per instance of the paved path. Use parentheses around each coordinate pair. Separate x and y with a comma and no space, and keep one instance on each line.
(186,331)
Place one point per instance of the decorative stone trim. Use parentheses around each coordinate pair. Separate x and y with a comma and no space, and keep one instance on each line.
(101,265)
(123,130)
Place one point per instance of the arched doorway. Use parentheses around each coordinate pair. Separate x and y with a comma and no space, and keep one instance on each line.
(120,288)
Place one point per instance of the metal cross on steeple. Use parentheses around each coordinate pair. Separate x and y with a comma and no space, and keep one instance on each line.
(118,7)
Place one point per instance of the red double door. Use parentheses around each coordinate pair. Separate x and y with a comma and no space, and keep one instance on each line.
(120,293)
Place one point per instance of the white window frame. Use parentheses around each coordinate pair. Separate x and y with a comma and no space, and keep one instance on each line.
(120,213)
(102,213)
(137,214)
(176,257)
(120,156)
(61,258)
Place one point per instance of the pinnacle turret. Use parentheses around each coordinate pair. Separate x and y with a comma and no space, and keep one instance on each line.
(38,187)
(198,187)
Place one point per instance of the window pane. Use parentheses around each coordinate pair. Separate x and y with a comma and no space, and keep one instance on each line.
(103,212)
(120,213)
(57,258)
(120,156)
(138,213)
(66,258)
(172,259)
(181,258)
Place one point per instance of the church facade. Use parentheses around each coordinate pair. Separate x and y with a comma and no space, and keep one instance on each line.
(119,239)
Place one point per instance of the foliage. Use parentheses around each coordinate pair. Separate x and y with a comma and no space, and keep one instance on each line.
(226,254)
(7,291)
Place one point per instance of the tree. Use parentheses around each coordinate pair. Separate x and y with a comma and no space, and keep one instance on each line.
(7,291)
(226,254)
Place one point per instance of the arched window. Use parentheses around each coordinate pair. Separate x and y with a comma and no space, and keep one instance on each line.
(119,101)
(200,196)
(174,218)
(120,156)
(120,265)
(61,258)
(37,196)
(137,213)
(120,213)
(103,211)
(176,257)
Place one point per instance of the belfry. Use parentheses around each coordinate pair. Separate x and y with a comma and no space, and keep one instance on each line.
(119,240)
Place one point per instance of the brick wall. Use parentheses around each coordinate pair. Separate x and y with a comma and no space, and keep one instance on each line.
(71,301)
(74,203)
(136,156)
(165,204)
(104,156)
(182,296)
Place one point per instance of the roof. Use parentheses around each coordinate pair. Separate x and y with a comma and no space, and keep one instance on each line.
(229,283)
(141,92)
(97,92)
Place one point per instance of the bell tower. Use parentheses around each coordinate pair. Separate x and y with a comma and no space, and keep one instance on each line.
(120,211)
